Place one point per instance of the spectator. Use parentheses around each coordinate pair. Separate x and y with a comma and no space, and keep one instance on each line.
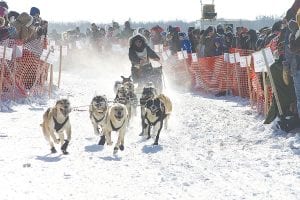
(155,35)
(185,42)
(12,16)
(24,29)
(6,32)
(192,39)
(35,13)
(294,47)
(4,4)
(127,31)
(208,40)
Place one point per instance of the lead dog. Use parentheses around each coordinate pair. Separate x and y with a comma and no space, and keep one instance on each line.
(157,110)
(56,120)
(116,120)
(98,110)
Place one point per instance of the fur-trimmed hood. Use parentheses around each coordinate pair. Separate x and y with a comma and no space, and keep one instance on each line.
(138,36)
(24,19)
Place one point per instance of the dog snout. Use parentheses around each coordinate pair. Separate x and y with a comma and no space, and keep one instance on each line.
(119,113)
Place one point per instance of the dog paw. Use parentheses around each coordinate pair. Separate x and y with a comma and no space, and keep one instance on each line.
(121,147)
(65,146)
(53,150)
(148,137)
(141,134)
(102,140)
(115,150)
(155,143)
(65,152)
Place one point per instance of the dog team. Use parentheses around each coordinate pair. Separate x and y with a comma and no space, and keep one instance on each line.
(105,118)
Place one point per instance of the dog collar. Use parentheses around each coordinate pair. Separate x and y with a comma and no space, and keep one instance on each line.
(58,126)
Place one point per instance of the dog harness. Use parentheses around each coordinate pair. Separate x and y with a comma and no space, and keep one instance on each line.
(114,128)
(58,126)
(154,123)
(96,120)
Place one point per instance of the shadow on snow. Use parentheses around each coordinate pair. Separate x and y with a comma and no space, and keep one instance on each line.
(152,148)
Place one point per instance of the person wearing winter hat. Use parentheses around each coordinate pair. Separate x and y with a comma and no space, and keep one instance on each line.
(4,4)
(24,28)
(12,16)
(34,12)
(139,55)
(3,12)
(6,32)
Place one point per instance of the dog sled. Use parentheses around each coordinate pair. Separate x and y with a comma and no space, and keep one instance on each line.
(146,74)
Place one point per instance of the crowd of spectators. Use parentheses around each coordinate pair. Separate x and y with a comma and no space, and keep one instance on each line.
(25,26)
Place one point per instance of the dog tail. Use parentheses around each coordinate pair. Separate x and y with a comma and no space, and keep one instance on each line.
(167,102)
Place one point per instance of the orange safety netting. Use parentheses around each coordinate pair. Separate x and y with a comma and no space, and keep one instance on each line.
(215,75)
(22,76)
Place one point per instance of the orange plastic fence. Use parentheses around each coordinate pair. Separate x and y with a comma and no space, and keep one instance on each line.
(22,76)
(215,75)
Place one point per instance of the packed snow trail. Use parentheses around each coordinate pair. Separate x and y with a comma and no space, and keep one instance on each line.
(215,148)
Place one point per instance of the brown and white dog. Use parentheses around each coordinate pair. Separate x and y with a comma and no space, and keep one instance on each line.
(116,120)
(56,120)
(157,112)
(98,110)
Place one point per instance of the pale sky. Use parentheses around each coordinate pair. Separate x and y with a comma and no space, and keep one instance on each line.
(145,10)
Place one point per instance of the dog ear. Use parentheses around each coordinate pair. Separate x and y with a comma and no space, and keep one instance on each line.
(58,102)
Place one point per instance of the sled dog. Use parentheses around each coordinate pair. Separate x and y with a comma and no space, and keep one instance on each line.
(157,111)
(56,121)
(98,109)
(116,120)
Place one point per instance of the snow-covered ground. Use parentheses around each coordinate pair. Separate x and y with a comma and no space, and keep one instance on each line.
(215,148)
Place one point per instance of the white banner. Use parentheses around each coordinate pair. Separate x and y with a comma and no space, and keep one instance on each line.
(8,53)
(165,56)
(44,55)
(243,61)
(180,55)
(78,45)
(52,43)
(231,58)
(168,53)
(156,48)
(19,51)
(64,50)
(249,60)
(269,56)
(237,57)
(259,62)
(226,57)
(161,47)
(194,57)
(185,54)
(53,57)
(1,51)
